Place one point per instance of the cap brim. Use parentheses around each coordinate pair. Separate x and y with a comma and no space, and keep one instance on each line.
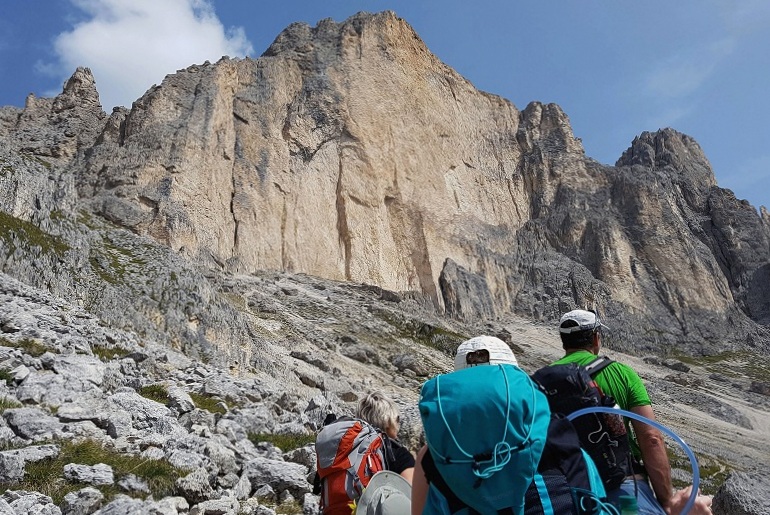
(578,328)
(385,479)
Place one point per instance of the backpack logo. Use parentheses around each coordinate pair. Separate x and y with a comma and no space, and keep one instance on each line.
(570,387)
(349,452)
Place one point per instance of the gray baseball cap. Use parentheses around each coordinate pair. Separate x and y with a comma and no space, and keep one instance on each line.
(585,320)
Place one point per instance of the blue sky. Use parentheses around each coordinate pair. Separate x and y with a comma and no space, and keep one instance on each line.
(616,67)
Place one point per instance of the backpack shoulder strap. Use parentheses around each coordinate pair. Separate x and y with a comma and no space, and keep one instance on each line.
(598,365)
(597,485)
(434,478)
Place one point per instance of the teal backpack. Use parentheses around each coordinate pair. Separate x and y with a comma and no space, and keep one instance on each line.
(485,428)
(494,447)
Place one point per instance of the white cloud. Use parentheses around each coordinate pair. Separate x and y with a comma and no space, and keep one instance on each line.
(131,45)
(683,73)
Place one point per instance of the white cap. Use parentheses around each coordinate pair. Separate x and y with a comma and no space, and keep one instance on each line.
(386,494)
(499,352)
(585,320)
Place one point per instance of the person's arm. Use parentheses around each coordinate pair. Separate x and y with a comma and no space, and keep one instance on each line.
(419,485)
(654,456)
(408,474)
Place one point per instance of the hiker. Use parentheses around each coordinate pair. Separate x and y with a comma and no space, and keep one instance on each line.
(381,412)
(351,451)
(650,481)
(480,350)
(485,430)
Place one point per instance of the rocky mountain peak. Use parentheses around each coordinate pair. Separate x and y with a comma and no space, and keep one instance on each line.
(79,91)
(668,149)
(549,124)
(392,165)
(329,36)
(57,128)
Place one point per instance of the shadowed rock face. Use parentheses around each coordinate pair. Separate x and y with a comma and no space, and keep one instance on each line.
(348,151)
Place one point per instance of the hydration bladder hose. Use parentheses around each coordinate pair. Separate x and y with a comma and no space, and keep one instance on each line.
(662,428)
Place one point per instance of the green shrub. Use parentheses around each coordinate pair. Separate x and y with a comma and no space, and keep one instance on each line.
(285,442)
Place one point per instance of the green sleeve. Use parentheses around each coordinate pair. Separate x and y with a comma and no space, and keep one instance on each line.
(637,393)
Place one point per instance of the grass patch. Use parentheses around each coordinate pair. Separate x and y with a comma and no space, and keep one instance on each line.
(426,334)
(5,375)
(30,157)
(57,216)
(8,403)
(207,403)
(27,345)
(285,442)
(155,392)
(12,228)
(289,508)
(116,264)
(713,471)
(237,301)
(46,476)
(105,354)
(713,475)
(87,219)
(731,364)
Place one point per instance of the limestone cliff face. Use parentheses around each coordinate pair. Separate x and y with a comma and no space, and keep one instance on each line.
(348,151)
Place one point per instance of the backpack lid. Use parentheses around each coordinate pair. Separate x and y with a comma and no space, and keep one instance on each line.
(486,428)
(387,494)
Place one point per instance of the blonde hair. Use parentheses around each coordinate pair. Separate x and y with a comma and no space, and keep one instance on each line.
(379,410)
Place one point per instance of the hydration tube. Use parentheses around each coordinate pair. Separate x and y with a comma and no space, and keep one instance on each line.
(662,428)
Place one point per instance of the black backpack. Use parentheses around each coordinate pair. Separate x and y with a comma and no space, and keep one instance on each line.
(570,387)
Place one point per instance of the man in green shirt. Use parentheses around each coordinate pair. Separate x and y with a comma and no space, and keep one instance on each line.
(581,335)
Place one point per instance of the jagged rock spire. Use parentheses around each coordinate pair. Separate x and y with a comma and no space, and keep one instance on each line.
(79,90)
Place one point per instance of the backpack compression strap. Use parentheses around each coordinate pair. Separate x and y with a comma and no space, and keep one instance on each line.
(455,503)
